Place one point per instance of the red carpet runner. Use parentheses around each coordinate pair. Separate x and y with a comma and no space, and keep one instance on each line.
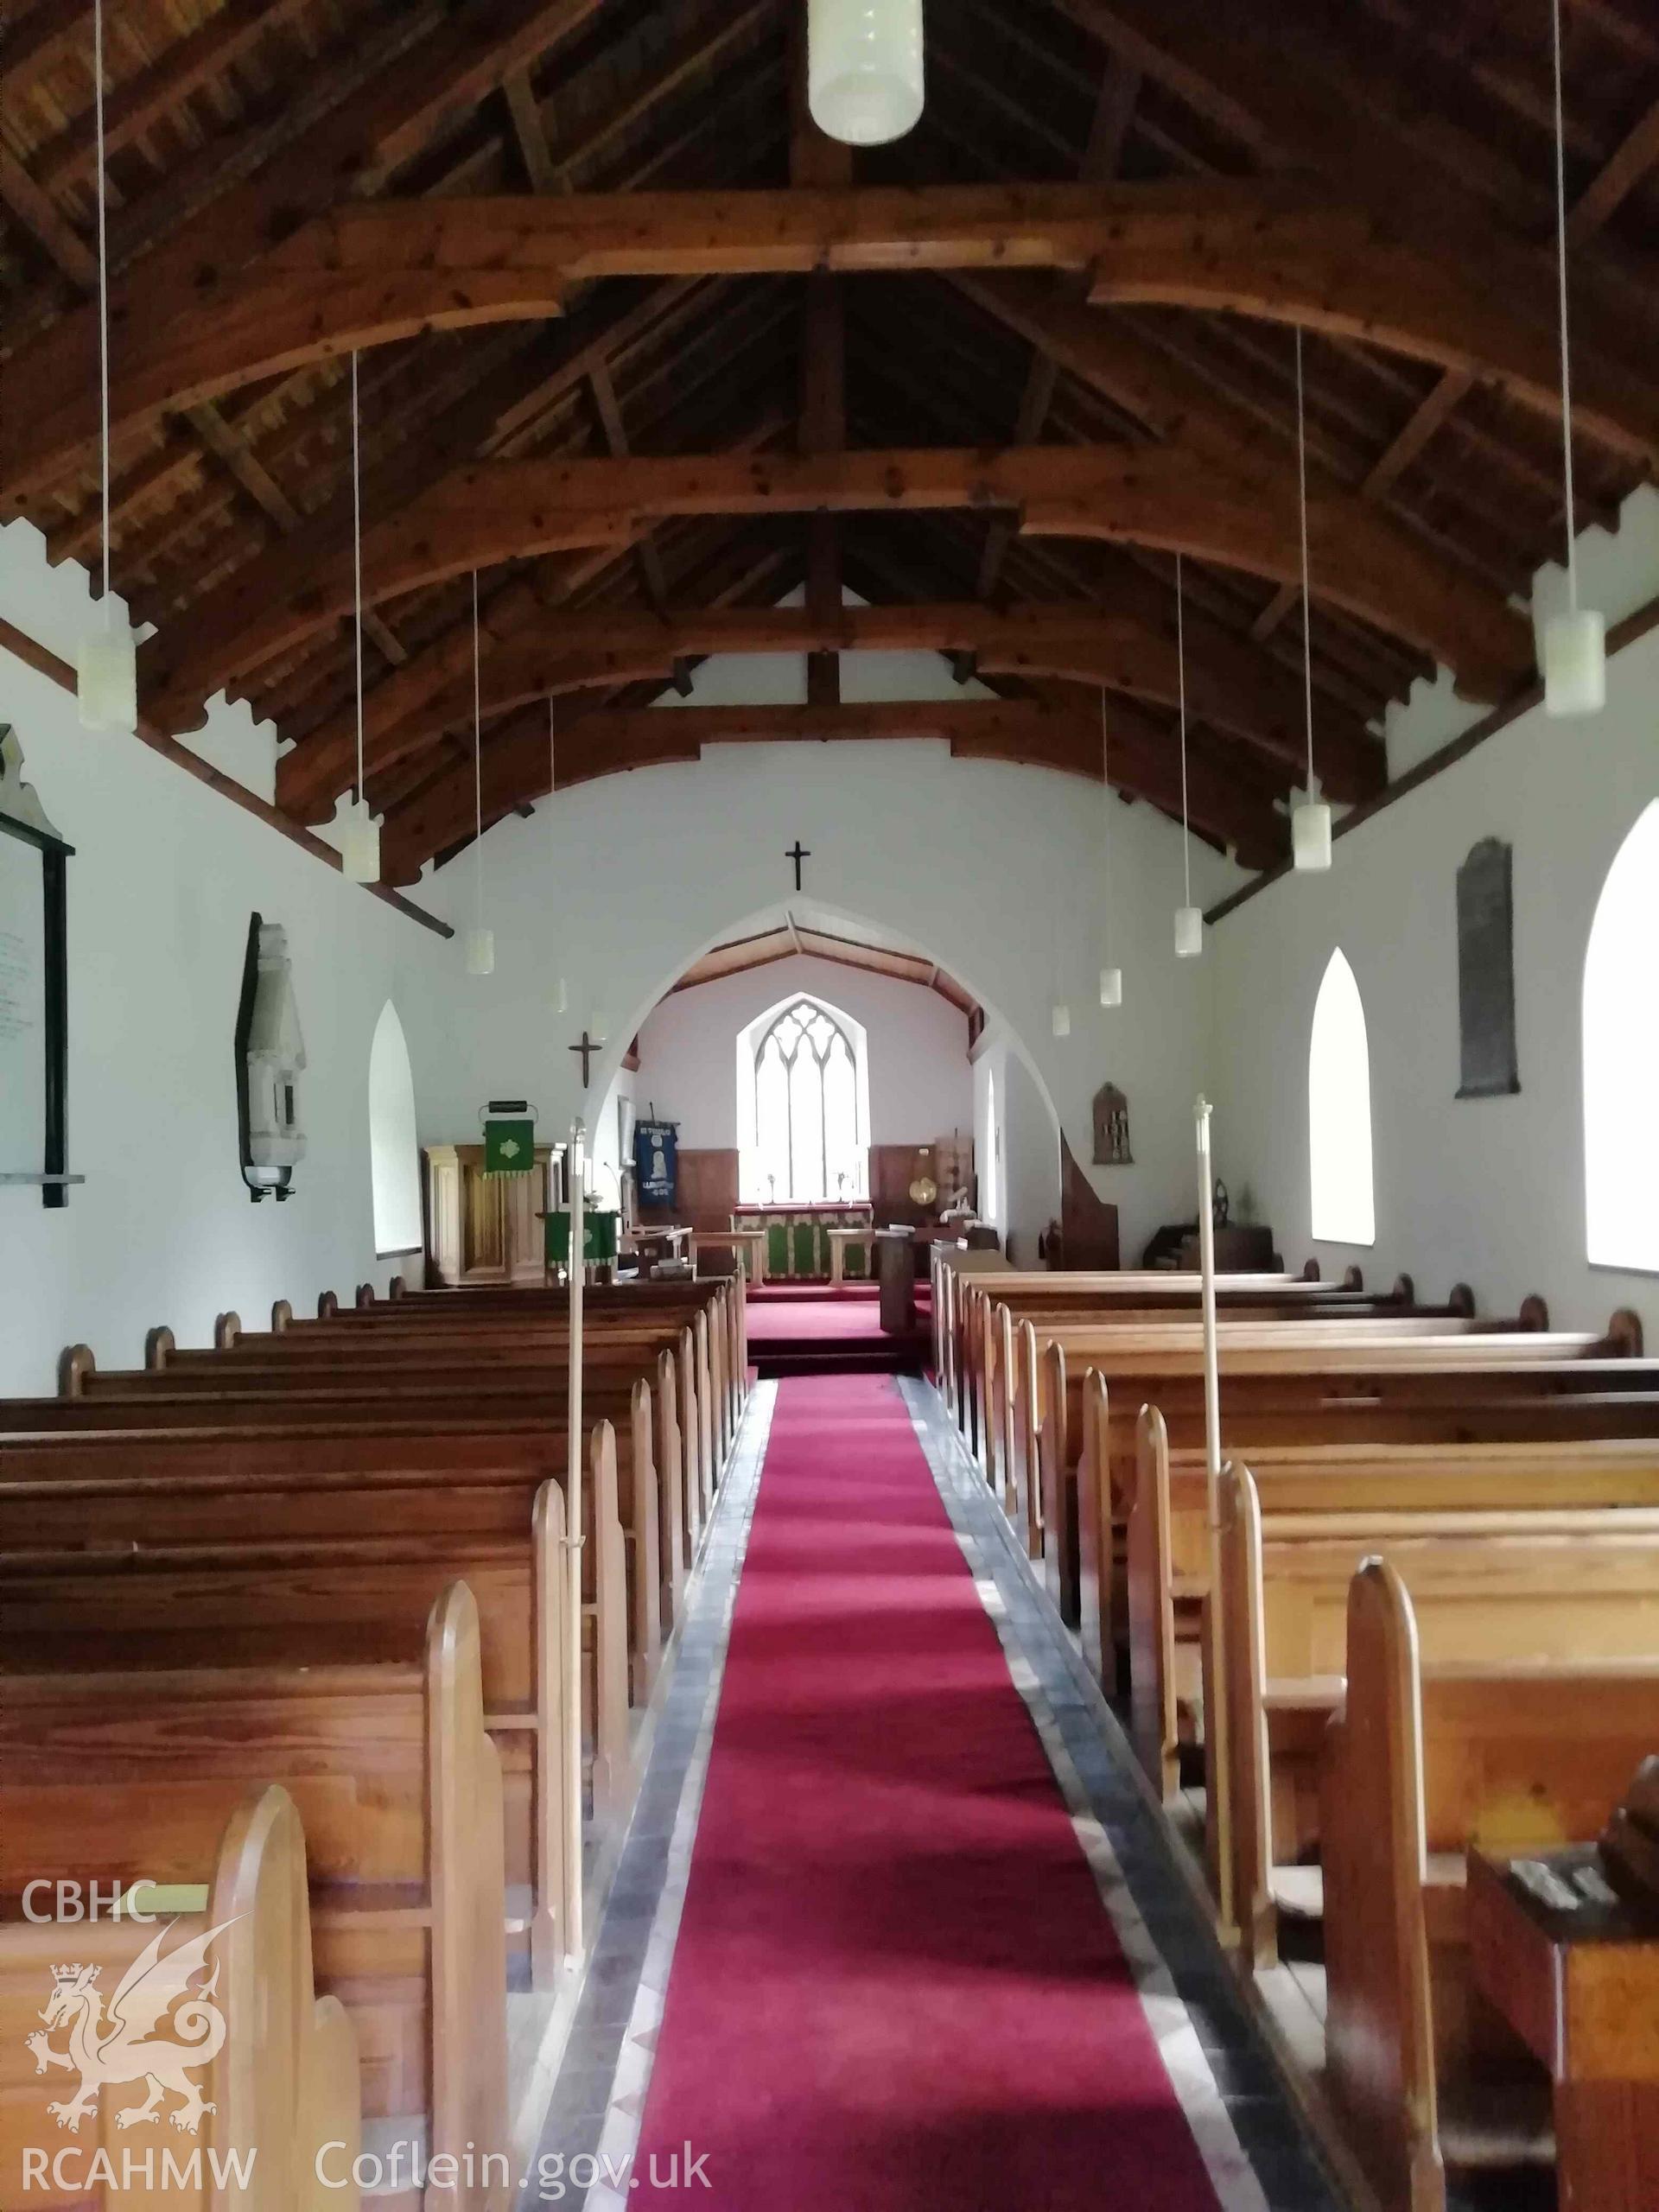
(895,1985)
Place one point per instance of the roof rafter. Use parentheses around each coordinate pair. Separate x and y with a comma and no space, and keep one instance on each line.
(377,270)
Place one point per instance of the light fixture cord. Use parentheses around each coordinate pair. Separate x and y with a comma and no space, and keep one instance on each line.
(1307,600)
(103,283)
(478,767)
(1180,678)
(357,566)
(1106,790)
(552,747)
(1561,273)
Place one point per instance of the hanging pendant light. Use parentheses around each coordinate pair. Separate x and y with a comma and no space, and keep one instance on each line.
(865,73)
(1059,1018)
(1575,642)
(561,992)
(480,942)
(1310,818)
(360,843)
(107,672)
(1189,919)
(1111,979)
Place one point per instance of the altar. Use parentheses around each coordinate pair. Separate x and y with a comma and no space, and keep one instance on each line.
(798,1242)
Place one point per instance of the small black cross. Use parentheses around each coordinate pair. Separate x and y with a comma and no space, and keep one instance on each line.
(588,1047)
(797,852)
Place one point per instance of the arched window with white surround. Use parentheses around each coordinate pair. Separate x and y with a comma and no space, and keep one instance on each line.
(1339,1112)
(803,1114)
(1621,1058)
(394,1154)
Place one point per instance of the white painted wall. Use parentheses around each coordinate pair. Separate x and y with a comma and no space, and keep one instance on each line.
(921,1083)
(1028,1173)
(165,876)
(1490,1190)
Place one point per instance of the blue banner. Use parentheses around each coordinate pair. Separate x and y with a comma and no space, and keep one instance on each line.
(656,1162)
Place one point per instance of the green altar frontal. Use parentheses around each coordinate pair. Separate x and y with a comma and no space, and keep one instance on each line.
(798,1247)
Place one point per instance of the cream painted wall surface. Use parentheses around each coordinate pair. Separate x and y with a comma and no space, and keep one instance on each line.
(920,1082)
(1487,1190)
(993,871)
(1027,1196)
(165,875)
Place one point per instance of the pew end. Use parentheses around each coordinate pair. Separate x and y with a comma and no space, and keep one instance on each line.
(75,1363)
(160,1344)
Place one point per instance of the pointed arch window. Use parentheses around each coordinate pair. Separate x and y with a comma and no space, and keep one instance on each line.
(810,1144)
(1339,1112)
(394,1154)
(1621,1058)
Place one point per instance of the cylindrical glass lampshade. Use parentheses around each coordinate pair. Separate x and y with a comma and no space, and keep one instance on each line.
(360,844)
(480,952)
(106,675)
(1111,987)
(1310,836)
(1189,932)
(1060,1015)
(1576,663)
(561,996)
(865,83)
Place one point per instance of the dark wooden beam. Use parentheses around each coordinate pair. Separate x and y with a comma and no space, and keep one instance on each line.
(493,512)
(1229,686)
(375,271)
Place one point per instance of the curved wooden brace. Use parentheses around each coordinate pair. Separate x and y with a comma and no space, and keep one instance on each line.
(160,1344)
(371,272)
(497,511)
(1234,688)
(75,1363)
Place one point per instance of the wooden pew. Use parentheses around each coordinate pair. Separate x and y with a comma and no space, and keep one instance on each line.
(1545,1587)
(659,1516)
(1424,1760)
(1066,1301)
(1015,1375)
(1387,1363)
(399,1788)
(284,2081)
(194,1539)
(1168,1552)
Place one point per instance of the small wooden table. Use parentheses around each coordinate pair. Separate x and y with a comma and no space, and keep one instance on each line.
(749,1244)
(839,1239)
(1582,1990)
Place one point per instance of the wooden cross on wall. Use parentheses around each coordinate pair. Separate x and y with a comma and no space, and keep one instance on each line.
(797,852)
(588,1047)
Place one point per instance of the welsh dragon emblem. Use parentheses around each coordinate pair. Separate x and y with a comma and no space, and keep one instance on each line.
(135,2040)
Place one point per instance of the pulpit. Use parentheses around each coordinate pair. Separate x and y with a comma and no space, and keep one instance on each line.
(487,1228)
